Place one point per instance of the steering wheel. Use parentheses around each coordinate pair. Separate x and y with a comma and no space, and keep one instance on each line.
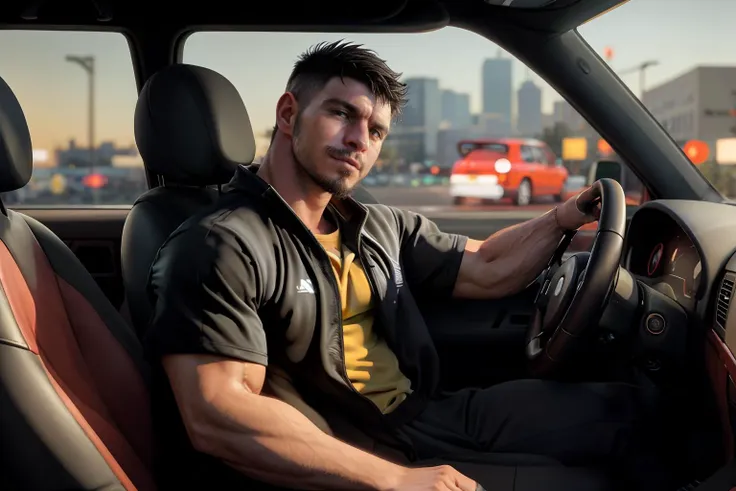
(574,292)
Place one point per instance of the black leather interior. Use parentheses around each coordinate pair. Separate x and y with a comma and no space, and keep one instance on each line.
(191,128)
(16,150)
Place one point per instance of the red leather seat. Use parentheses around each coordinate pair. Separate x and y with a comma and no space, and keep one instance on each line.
(74,404)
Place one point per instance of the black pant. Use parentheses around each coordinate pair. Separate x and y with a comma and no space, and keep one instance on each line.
(575,424)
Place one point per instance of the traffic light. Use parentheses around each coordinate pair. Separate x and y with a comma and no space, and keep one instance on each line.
(697,151)
(94,181)
(604,149)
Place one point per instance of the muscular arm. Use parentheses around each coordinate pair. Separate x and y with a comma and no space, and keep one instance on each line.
(507,261)
(264,438)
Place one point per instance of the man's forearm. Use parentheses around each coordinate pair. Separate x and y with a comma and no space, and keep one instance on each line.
(268,440)
(513,257)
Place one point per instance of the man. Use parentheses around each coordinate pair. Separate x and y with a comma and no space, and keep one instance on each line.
(292,274)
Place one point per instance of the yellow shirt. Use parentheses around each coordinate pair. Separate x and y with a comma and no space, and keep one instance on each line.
(372,367)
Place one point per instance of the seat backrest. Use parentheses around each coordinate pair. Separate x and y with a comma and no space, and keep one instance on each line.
(74,402)
(191,128)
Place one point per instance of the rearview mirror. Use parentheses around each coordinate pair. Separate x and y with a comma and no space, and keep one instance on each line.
(606,169)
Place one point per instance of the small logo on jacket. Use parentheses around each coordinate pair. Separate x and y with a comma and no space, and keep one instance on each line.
(305,286)
(398,275)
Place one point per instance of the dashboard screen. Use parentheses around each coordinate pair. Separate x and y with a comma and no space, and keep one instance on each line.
(665,258)
(676,263)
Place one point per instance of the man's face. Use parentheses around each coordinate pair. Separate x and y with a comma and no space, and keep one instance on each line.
(337,137)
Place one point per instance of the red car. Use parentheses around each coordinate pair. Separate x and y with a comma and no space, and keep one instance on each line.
(520,169)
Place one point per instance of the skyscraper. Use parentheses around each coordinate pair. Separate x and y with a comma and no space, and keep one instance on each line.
(456,109)
(563,112)
(497,92)
(423,113)
(529,122)
(423,107)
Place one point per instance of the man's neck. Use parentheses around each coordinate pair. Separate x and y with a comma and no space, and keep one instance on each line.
(304,197)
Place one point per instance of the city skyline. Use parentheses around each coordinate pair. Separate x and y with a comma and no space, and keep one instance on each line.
(54,97)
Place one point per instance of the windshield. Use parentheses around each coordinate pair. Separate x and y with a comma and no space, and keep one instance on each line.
(465,95)
(78,92)
(681,63)
(464,148)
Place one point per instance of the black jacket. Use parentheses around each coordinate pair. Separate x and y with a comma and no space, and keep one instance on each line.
(249,281)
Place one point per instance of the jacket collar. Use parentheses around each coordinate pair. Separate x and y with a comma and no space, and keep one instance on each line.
(350,212)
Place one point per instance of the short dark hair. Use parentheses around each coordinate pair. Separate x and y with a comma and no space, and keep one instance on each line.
(320,63)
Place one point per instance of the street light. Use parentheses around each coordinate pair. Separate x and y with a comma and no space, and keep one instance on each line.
(88,64)
(641,68)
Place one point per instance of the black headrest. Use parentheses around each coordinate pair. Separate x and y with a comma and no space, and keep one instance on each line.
(16,149)
(191,126)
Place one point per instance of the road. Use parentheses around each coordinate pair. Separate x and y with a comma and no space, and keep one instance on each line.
(476,221)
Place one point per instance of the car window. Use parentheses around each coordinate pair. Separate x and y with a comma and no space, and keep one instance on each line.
(538,155)
(464,148)
(471,106)
(56,76)
(527,154)
(551,158)
(682,66)
(614,168)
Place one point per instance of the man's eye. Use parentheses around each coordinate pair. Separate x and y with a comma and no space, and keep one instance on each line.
(340,113)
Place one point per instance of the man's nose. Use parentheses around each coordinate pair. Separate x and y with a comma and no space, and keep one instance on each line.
(356,136)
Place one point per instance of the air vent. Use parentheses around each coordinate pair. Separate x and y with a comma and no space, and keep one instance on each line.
(691,487)
(724,299)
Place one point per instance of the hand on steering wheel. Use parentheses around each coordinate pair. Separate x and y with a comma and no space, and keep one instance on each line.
(580,210)
(575,290)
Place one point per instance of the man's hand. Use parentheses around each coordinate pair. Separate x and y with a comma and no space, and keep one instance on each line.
(440,478)
(580,209)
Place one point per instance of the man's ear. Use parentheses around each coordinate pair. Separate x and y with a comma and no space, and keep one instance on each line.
(287,109)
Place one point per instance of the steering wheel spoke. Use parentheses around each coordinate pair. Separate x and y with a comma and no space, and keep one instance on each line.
(555,262)
(540,300)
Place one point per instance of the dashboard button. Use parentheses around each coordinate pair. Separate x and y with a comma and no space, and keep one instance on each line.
(655,324)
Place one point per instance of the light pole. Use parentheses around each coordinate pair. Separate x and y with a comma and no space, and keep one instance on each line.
(88,64)
(641,68)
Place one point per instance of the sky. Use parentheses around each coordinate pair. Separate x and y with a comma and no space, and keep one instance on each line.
(679,34)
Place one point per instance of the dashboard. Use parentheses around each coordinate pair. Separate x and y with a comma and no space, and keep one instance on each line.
(680,248)
(684,249)
(661,254)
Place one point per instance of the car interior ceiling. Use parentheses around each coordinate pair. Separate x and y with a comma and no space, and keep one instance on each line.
(543,38)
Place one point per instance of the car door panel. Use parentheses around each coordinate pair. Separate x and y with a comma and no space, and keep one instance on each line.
(481,342)
(544,178)
(93,234)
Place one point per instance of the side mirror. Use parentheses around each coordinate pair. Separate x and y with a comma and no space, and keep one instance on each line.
(606,169)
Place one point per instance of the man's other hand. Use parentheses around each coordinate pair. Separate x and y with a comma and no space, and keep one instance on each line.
(440,478)
(579,210)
